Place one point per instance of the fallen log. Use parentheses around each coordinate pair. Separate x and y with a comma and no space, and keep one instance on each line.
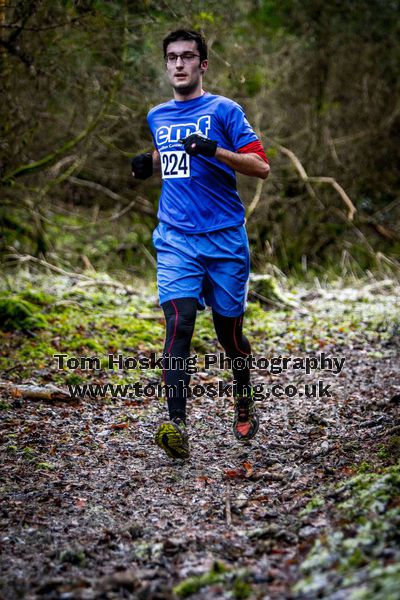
(35,392)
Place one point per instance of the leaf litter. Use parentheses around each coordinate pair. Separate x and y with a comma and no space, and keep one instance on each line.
(309,509)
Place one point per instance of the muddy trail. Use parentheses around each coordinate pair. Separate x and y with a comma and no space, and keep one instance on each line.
(90,508)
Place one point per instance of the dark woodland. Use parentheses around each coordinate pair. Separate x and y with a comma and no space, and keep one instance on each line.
(89,509)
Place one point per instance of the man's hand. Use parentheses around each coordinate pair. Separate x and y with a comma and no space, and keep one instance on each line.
(199,144)
(142,165)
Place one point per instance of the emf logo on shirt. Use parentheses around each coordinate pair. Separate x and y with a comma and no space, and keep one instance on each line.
(174,133)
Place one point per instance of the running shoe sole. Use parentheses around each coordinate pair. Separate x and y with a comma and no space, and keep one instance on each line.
(172,440)
(244,438)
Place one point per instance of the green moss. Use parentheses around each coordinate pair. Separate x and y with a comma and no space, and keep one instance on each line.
(37,297)
(365,467)
(383,584)
(241,589)
(268,287)
(367,524)
(356,559)
(18,314)
(82,344)
(217,574)
(256,313)
(44,466)
(74,379)
(100,321)
(382,451)
(393,447)
(73,556)
(315,502)
(37,350)
(29,452)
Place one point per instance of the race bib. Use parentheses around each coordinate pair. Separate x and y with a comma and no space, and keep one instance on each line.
(175,164)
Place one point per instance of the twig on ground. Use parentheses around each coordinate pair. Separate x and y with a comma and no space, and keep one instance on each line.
(17,366)
(265,300)
(22,258)
(228,513)
(84,280)
(391,431)
(35,392)
(268,475)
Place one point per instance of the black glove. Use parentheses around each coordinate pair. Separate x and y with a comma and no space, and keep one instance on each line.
(197,143)
(142,165)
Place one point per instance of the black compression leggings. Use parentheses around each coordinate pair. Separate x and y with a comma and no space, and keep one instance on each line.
(180,316)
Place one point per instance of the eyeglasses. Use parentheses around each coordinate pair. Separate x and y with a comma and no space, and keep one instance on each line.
(185,56)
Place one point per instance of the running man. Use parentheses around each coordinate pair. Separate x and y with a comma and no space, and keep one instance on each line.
(200,140)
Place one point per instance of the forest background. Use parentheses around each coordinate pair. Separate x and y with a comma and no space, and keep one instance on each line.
(311,508)
(319,82)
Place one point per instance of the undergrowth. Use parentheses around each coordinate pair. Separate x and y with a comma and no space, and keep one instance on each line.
(360,553)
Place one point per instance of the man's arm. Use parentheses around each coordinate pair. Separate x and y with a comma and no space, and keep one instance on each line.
(247,164)
(156,161)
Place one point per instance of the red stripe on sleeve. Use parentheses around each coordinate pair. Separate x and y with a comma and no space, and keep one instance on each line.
(255,148)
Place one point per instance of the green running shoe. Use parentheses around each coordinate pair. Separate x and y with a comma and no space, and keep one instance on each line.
(172,437)
(246,421)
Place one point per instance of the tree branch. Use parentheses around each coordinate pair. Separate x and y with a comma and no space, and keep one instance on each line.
(256,198)
(306,179)
(145,208)
(51,158)
(340,191)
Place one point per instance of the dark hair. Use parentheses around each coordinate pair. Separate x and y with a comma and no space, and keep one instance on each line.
(192,36)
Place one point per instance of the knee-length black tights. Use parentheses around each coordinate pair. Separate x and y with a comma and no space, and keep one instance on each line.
(180,316)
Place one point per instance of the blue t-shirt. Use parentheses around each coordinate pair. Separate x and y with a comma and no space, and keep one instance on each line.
(198,192)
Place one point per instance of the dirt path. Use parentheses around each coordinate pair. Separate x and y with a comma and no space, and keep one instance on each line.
(90,509)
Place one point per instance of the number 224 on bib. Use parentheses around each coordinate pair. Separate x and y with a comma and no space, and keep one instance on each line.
(175,164)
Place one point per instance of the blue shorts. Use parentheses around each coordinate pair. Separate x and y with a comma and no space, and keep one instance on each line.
(212,267)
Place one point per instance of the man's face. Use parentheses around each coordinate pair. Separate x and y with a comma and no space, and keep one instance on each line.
(185,74)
